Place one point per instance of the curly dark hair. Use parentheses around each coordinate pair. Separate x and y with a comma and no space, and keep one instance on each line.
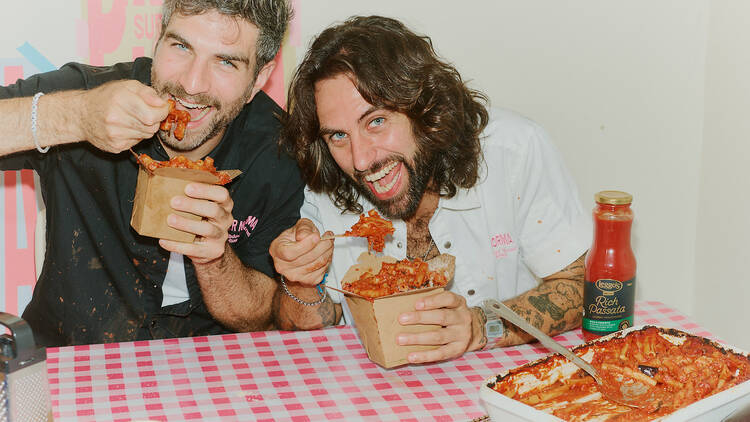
(270,16)
(398,70)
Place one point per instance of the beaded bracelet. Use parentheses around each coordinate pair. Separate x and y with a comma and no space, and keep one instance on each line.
(323,295)
(34,107)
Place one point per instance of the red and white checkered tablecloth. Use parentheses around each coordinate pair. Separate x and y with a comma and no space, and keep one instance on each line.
(297,376)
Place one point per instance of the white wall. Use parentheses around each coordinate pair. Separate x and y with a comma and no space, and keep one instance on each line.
(623,88)
(722,254)
(48,25)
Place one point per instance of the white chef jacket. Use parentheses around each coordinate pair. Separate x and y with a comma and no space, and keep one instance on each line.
(521,222)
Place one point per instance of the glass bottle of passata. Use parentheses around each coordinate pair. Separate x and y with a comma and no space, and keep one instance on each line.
(609,290)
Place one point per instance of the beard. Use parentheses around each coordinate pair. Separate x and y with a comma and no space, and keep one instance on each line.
(223,115)
(405,203)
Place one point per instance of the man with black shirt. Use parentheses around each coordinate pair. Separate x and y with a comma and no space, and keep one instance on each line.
(101,281)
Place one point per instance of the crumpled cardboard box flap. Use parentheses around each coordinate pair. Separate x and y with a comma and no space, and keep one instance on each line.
(194,175)
(443,263)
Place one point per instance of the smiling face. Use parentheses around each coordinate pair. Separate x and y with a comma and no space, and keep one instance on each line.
(206,63)
(375,147)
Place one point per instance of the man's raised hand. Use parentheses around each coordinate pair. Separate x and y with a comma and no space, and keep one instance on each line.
(119,114)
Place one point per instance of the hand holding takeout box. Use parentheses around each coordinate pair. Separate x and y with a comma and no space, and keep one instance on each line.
(153,192)
(376,319)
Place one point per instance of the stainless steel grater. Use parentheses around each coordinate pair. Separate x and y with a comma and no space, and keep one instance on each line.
(24,393)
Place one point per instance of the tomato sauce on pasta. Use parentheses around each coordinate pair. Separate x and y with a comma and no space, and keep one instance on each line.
(677,375)
(396,277)
(182,162)
(374,227)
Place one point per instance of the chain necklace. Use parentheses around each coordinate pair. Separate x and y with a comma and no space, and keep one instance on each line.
(429,248)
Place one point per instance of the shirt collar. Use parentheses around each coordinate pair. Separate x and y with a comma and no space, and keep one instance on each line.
(464,199)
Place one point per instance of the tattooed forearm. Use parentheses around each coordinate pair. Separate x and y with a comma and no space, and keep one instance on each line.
(329,312)
(553,307)
(560,327)
(291,315)
(534,318)
(544,305)
(575,271)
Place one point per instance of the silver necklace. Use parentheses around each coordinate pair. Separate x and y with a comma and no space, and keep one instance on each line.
(429,248)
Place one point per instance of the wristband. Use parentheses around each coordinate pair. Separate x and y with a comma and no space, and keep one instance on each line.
(34,107)
(321,286)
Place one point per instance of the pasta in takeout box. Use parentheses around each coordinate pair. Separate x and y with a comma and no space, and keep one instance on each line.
(379,288)
(158,182)
(376,318)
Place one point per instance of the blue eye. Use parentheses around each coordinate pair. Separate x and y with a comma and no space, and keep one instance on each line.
(337,136)
(181,46)
(378,121)
(228,63)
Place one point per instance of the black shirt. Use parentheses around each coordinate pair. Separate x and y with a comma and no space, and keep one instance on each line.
(101,281)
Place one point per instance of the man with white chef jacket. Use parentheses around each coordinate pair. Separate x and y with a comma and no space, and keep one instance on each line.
(378,120)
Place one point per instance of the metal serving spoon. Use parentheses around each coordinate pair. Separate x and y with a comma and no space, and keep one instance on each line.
(632,393)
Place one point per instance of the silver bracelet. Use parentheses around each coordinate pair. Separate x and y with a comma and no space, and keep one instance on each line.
(300,301)
(34,106)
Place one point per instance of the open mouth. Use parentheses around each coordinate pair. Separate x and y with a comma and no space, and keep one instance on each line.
(385,179)
(197,111)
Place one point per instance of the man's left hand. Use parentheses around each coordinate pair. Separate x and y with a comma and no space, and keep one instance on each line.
(446,310)
(213,203)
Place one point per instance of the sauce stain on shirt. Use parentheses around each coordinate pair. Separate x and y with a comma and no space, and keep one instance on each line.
(75,250)
(95,264)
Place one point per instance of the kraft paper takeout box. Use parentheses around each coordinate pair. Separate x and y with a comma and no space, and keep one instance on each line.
(153,192)
(376,320)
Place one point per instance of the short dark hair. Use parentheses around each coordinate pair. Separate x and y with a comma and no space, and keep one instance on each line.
(394,68)
(270,16)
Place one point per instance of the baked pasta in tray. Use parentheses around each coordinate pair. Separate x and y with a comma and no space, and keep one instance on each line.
(680,368)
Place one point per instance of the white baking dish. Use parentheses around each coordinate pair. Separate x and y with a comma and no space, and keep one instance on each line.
(711,409)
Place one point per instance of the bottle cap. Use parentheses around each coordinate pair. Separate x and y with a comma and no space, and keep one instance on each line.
(613,197)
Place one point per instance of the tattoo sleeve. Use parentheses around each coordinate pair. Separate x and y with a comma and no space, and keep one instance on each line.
(555,306)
